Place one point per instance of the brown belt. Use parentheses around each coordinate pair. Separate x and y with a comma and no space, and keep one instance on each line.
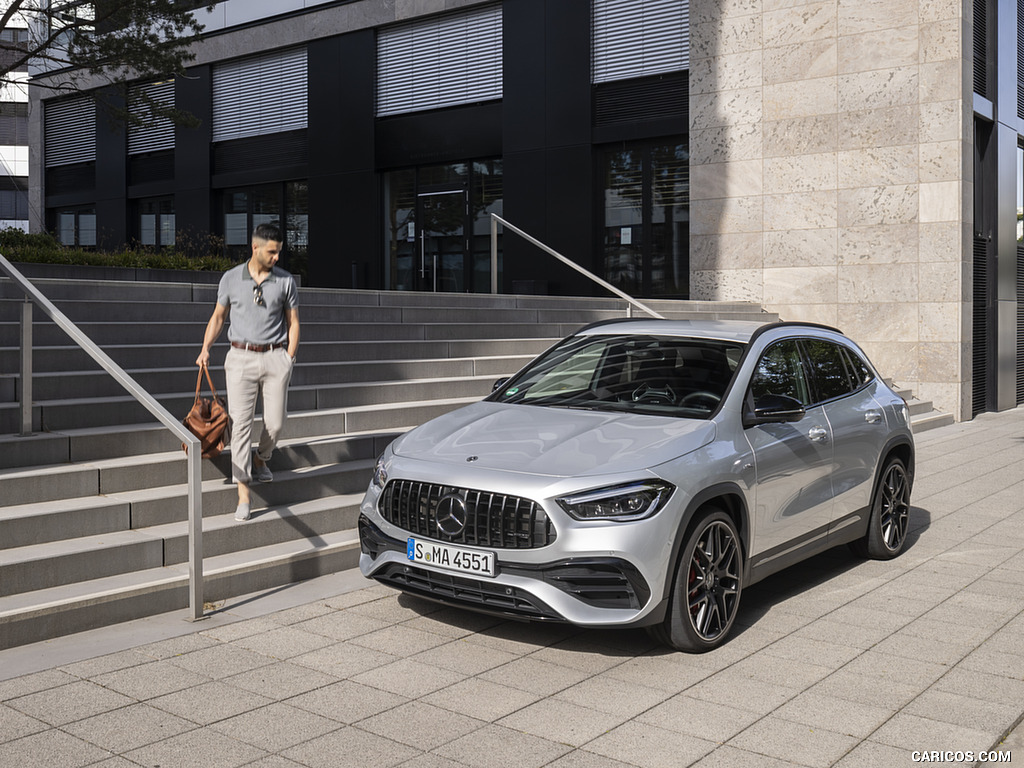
(255,347)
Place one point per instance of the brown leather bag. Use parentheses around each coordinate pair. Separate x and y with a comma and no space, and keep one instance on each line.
(208,419)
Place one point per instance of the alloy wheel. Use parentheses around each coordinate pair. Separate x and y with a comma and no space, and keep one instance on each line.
(713,581)
(894,513)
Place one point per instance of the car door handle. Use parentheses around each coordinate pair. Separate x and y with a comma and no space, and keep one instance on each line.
(873,417)
(817,434)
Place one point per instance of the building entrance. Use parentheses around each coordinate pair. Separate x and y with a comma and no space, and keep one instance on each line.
(646,223)
(437,221)
(441,241)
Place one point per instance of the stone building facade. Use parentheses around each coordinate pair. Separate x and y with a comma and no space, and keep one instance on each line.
(831,152)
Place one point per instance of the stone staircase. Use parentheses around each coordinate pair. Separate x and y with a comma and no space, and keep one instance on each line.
(93,504)
(923,414)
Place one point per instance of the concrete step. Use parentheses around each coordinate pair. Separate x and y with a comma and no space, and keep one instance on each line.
(930,420)
(79,411)
(156,506)
(205,292)
(95,443)
(43,614)
(56,290)
(62,385)
(84,311)
(143,356)
(104,334)
(222,534)
(918,407)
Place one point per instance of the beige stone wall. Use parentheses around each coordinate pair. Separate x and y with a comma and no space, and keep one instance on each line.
(830,154)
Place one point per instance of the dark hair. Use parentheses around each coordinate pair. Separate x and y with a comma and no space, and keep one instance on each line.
(267,232)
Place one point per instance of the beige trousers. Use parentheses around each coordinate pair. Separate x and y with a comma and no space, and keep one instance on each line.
(247,373)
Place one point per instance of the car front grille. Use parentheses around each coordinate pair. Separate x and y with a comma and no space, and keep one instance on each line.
(491,519)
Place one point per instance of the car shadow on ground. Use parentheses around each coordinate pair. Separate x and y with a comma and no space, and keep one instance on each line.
(758,599)
(756,603)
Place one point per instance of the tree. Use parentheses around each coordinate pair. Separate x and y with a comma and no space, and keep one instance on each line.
(88,45)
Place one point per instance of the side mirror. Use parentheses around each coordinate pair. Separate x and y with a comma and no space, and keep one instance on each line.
(774,409)
(499,384)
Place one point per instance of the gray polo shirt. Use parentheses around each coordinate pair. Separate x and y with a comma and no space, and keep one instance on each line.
(250,322)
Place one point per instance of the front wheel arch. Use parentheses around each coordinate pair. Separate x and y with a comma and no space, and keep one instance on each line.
(724,496)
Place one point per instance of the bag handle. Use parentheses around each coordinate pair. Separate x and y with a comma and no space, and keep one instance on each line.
(199,381)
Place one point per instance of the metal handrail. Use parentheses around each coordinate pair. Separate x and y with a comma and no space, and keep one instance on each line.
(496,219)
(195,476)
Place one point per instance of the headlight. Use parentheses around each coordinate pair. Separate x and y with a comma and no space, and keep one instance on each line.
(619,503)
(380,472)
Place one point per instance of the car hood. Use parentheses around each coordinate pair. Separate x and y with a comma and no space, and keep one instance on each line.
(553,441)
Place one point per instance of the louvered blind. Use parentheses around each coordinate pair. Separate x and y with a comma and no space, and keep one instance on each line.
(158,132)
(440,62)
(260,95)
(980,337)
(1020,322)
(633,39)
(981,47)
(69,131)
(1020,59)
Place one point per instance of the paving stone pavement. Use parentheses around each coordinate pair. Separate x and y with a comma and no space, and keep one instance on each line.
(836,662)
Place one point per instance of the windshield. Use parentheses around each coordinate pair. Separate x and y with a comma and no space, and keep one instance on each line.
(663,375)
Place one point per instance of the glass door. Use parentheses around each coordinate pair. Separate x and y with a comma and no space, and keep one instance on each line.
(442,241)
(438,227)
(645,231)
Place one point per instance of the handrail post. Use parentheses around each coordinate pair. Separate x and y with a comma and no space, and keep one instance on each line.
(25,388)
(494,255)
(195,532)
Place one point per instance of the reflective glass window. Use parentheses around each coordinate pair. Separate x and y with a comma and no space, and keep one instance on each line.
(828,366)
(780,371)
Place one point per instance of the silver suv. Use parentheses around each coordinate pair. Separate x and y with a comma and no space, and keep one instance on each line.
(641,473)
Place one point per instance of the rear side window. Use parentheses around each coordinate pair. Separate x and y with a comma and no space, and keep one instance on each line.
(835,370)
(828,368)
(858,368)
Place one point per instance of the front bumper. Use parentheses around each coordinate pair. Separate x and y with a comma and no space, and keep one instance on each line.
(594,591)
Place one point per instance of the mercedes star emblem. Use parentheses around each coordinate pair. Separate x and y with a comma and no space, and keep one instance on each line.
(451,514)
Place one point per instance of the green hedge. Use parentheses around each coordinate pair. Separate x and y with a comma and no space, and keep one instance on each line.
(17,246)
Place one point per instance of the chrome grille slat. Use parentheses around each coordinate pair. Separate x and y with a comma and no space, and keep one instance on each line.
(494,520)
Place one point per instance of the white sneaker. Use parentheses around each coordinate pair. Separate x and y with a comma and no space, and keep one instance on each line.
(262,473)
(242,512)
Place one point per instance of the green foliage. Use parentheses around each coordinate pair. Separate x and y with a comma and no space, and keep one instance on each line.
(93,45)
(17,246)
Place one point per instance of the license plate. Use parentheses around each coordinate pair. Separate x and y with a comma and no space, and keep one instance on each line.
(450,558)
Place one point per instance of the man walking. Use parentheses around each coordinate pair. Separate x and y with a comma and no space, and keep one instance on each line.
(263,304)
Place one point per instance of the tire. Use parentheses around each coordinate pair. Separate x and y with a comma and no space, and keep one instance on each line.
(706,587)
(890,514)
